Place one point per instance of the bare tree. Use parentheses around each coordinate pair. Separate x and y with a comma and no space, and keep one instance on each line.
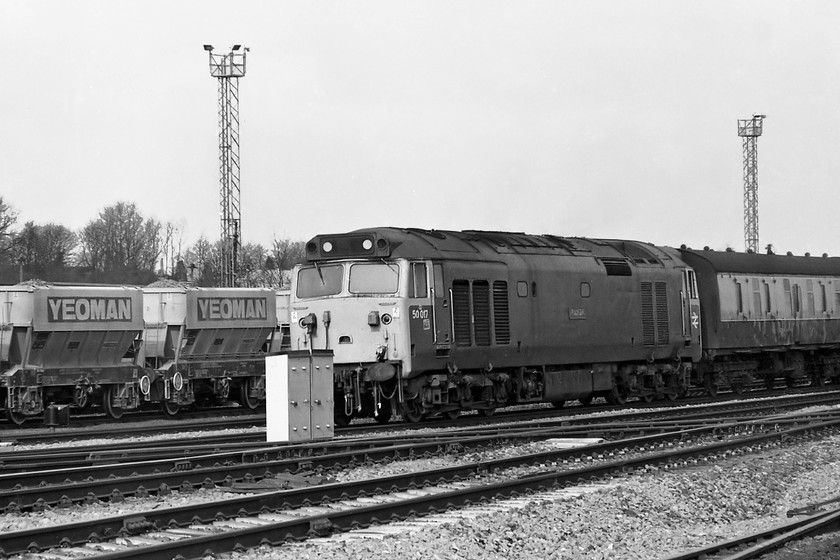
(121,239)
(201,261)
(8,218)
(287,253)
(43,246)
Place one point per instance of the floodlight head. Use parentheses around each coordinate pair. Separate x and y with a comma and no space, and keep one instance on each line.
(237,47)
(208,48)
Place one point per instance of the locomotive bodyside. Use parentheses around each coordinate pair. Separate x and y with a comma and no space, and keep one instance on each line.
(767,317)
(477,320)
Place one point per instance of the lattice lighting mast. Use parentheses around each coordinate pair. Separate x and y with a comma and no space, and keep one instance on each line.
(228,68)
(750,130)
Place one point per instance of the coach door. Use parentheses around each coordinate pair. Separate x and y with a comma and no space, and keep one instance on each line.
(690,309)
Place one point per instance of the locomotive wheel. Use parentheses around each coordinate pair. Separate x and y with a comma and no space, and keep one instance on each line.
(170,408)
(558,404)
(341,420)
(451,414)
(412,412)
(618,395)
(710,385)
(384,413)
(245,397)
(111,411)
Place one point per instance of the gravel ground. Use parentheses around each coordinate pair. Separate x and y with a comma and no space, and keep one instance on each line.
(644,516)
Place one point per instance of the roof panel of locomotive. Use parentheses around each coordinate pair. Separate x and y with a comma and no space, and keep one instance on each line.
(478,245)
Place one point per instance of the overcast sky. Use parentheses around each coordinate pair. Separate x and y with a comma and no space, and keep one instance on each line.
(596,119)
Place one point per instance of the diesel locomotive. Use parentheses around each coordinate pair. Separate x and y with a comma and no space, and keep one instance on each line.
(428,323)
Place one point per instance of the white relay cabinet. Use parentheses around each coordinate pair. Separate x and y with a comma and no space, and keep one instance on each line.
(299,396)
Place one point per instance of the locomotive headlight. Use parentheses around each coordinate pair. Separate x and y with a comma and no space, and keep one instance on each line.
(327,247)
(386,319)
(367,244)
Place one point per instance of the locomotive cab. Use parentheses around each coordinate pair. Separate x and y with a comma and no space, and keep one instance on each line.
(361,310)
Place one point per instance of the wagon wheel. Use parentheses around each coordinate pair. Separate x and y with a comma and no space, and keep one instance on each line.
(586,401)
(671,395)
(170,408)
(647,397)
(769,382)
(81,397)
(558,404)
(108,394)
(412,411)
(487,412)
(246,393)
(16,418)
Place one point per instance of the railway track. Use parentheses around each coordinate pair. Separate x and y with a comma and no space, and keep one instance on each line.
(32,481)
(277,516)
(761,543)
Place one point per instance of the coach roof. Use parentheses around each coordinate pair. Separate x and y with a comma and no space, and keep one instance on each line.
(757,263)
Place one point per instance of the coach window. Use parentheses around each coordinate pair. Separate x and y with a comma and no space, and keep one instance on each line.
(739,298)
(823,298)
(522,289)
(767,297)
(756,290)
(417,286)
(585,289)
(788,296)
(797,299)
(810,304)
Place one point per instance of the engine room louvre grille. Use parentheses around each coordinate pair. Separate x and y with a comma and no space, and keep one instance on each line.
(663,331)
(461,312)
(501,312)
(481,312)
(648,327)
(616,266)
